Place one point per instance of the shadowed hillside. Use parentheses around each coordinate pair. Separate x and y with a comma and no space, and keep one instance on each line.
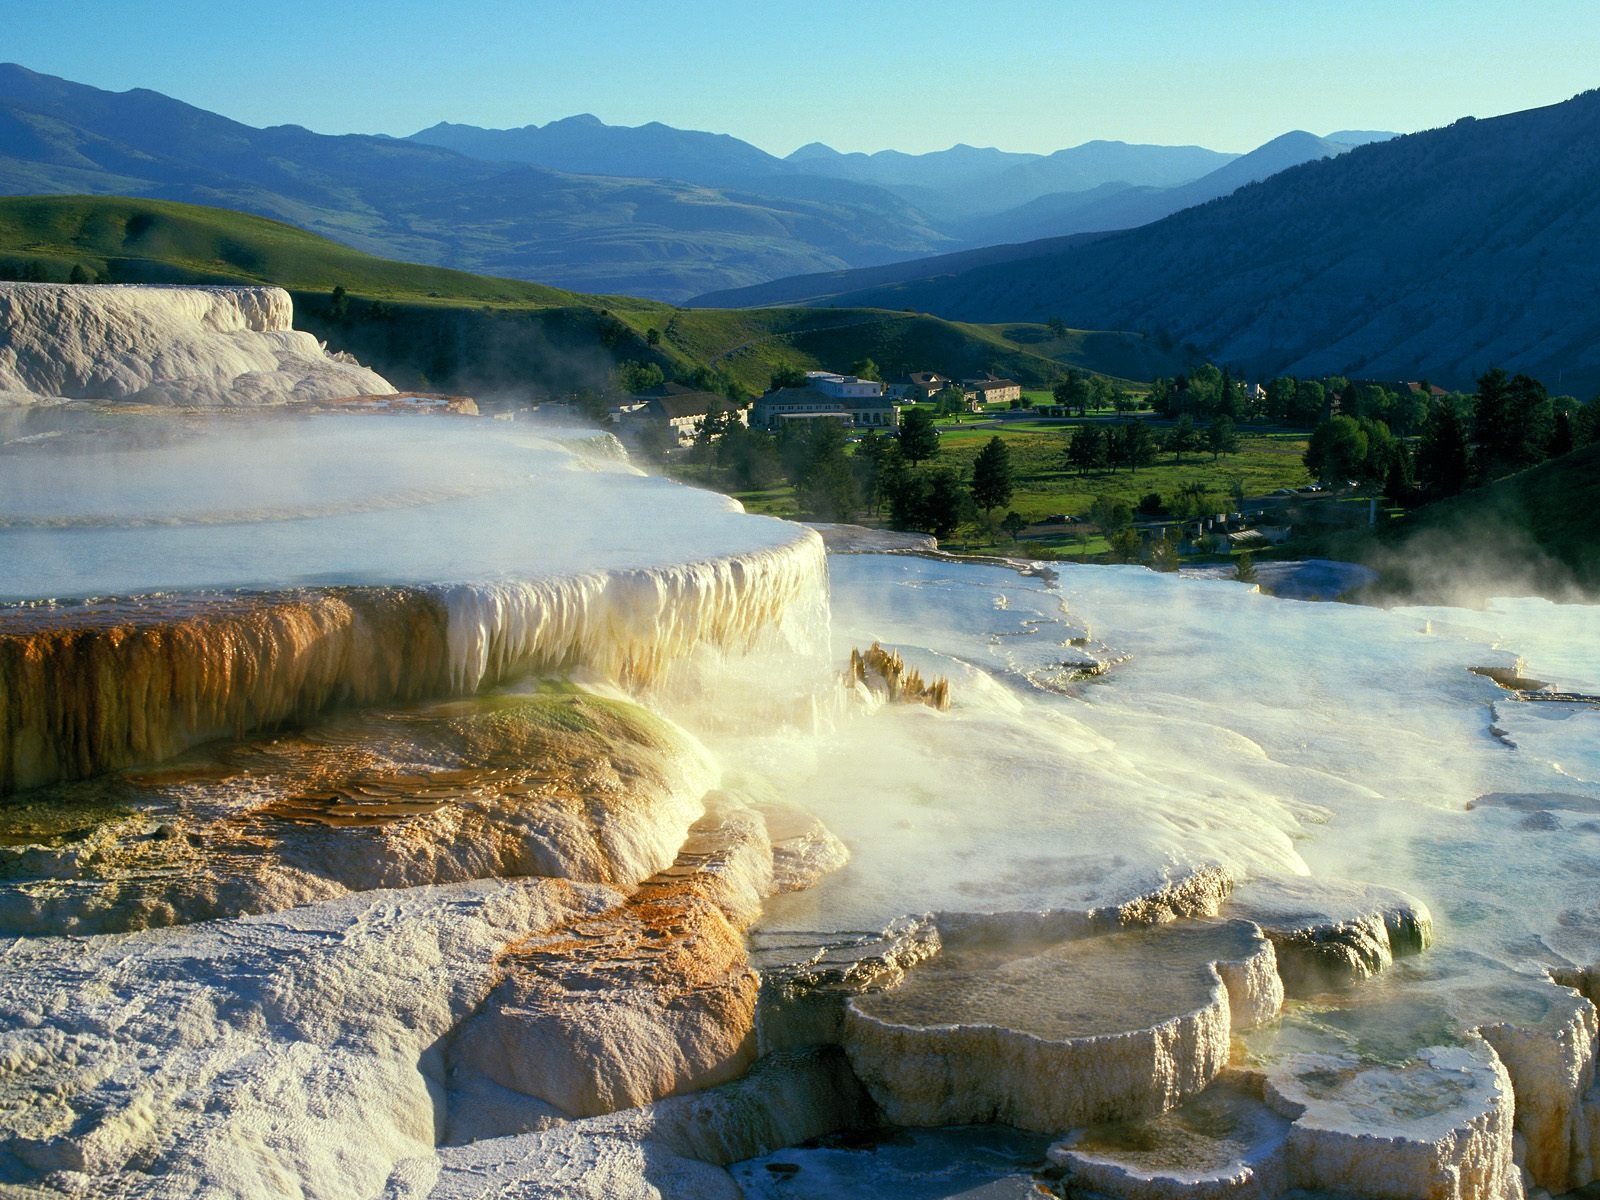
(1533,532)
(1432,255)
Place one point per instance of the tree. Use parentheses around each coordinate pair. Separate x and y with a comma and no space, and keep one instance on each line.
(824,482)
(592,405)
(1382,449)
(919,440)
(947,502)
(749,456)
(865,368)
(1087,449)
(1221,438)
(1133,446)
(652,336)
(1244,568)
(709,430)
(1110,515)
(1280,398)
(868,462)
(1181,437)
(81,274)
(1072,393)
(950,401)
(652,440)
(928,501)
(827,489)
(1397,488)
(1123,545)
(1492,423)
(1227,396)
(1338,449)
(1013,523)
(1101,392)
(991,477)
(1164,552)
(1512,422)
(1533,418)
(1309,400)
(1586,423)
(1561,435)
(786,377)
(1193,500)
(1443,463)
(338,304)
(635,378)
(1058,327)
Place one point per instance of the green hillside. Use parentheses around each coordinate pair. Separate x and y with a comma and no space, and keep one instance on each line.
(429,326)
(1533,532)
(160,241)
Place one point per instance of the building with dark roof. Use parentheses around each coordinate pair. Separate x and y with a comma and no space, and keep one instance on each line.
(861,411)
(678,409)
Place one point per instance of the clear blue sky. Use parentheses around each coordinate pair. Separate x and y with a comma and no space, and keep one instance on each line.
(914,75)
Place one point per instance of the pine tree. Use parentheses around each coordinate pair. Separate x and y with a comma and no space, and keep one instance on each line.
(1443,464)
(918,438)
(991,477)
(1221,437)
(1493,426)
(1135,446)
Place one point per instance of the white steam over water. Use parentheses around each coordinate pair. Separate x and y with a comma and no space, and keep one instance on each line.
(1273,737)
(348,500)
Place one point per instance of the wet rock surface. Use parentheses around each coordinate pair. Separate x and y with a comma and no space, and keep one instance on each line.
(1327,933)
(1051,1036)
(563,785)
(651,999)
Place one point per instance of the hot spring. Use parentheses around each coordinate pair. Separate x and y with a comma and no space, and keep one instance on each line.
(415,806)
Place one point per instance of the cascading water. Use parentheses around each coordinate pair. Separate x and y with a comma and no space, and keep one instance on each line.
(441,807)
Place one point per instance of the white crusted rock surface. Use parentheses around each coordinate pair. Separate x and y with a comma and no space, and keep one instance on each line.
(1327,932)
(167,345)
(1436,1128)
(294,1054)
(1049,1037)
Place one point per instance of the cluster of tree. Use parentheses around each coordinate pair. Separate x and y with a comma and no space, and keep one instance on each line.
(1510,423)
(1205,392)
(1080,391)
(1360,450)
(1209,391)
(33,270)
(1109,447)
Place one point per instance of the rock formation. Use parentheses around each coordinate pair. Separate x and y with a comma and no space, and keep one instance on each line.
(166,345)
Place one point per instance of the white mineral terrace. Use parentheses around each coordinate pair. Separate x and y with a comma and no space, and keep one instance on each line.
(516,830)
(165,345)
(265,572)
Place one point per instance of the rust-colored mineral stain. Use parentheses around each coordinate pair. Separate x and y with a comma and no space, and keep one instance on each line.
(87,688)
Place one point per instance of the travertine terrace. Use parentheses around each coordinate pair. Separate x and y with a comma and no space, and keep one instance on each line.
(416,805)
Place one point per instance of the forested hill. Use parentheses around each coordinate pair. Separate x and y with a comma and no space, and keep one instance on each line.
(1432,256)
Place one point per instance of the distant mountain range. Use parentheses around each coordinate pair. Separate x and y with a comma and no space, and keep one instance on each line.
(651,211)
(974,196)
(1434,255)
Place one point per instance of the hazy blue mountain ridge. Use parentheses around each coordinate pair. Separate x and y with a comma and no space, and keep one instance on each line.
(662,239)
(1433,255)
